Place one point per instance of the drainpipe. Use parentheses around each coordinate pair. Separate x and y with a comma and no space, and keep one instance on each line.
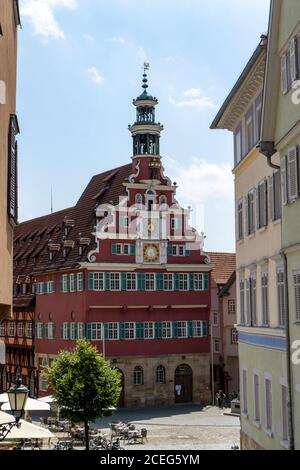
(268,149)
(288,341)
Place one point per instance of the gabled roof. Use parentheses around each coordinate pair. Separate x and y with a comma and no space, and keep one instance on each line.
(223,266)
(227,286)
(32,237)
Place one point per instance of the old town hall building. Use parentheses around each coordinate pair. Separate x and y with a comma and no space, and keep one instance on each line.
(124,269)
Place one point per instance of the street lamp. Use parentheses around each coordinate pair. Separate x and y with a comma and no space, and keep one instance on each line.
(17,396)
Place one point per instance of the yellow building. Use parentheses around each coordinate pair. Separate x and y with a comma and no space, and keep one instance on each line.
(261,310)
(9,21)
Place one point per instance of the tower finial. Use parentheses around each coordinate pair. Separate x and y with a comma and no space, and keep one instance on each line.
(146,67)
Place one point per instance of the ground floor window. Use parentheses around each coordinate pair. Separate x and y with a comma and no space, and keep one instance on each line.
(160,375)
(138,375)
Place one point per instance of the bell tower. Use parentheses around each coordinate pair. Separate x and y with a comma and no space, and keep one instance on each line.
(146,133)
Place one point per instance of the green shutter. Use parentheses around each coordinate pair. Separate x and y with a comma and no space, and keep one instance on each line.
(62,330)
(105,330)
(54,286)
(175,329)
(191,276)
(139,330)
(204,328)
(159,281)
(190,329)
(76,282)
(114,248)
(176,282)
(45,287)
(61,283)
(158,330)
(123,281)
(68,282)
(89,331)
(187,252)
(76,330)
(141,281)
(43,331)
(170,250)
(106,281)
(132,250)
(122,330)
(91,281)
(54,332)
(46,331)
(68,330)
(205,281)
(83,281)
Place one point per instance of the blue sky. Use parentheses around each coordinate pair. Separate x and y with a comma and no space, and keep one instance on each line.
(79,69)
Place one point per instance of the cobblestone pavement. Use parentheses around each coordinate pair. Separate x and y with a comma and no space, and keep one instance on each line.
(183,427)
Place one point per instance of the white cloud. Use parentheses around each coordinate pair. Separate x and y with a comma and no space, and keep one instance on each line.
(40,13)
(202,181)
(95,75)
(193,98)
(121,40)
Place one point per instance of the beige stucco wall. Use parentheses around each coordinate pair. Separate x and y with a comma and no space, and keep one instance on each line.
(8,58)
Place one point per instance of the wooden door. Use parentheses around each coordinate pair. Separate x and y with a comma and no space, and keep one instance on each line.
(183,384)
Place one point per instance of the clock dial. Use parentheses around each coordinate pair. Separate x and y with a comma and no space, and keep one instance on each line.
(151,253)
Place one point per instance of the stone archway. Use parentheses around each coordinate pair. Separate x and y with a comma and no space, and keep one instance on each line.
(183,388)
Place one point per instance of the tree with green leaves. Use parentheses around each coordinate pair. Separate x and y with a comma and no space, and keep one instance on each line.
(84,385)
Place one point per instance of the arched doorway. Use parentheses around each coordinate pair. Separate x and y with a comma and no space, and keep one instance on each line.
(183,388)
(121,402)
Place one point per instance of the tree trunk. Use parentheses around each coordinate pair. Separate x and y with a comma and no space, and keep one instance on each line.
(86,431)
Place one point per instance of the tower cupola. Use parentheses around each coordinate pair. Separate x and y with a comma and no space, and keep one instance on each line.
(145,131)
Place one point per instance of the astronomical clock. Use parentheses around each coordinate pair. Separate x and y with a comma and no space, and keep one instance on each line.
(151,253)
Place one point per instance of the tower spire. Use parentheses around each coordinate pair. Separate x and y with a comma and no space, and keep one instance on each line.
(146,67)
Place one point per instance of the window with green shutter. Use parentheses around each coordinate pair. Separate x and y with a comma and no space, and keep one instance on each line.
(191,276)
(68,283)
(106,331)
(187,252)
(132,250)
(190,329)
(91,281)
(89,331)
(141,281)
(122,330)
(139,330)
(204,328)
(107,281)
(206,281)
(158,330)
(175,329)
(114,248)
(123,281)
(170,250)
(159,281)
(47,331)
(176,282)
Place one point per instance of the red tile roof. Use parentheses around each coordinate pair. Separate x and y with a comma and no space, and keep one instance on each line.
(31,253)
(224,265)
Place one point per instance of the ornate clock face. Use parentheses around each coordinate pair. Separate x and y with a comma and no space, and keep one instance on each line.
(151,253)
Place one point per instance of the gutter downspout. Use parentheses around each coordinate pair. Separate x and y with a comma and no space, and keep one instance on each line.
(268,149)
(289,368)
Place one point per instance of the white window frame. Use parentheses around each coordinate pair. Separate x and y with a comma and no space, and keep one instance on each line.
(98,281)
(160,375)
(198,282)
(65,283)
(72,283)
(268,405)
(2,329)
(20,329)
(197,329)
(240,219)
(129,331)
(80,282)
(166,330)
(183,280)
(39,329)
(11,329)
(113,331)
(40,288)
(149,331)
(182,328)
(296,277)
(65,332)
(168,281)
(265,298)
(215,316)
(131,282)
(119,249)
(234,336)
(96,331)
(50,330)
(281,300)
(29,329)
(150,282)
(217,350)
(231,302)
(115,281)
(80,330)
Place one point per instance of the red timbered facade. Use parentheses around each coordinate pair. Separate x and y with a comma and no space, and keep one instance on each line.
(124,269)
